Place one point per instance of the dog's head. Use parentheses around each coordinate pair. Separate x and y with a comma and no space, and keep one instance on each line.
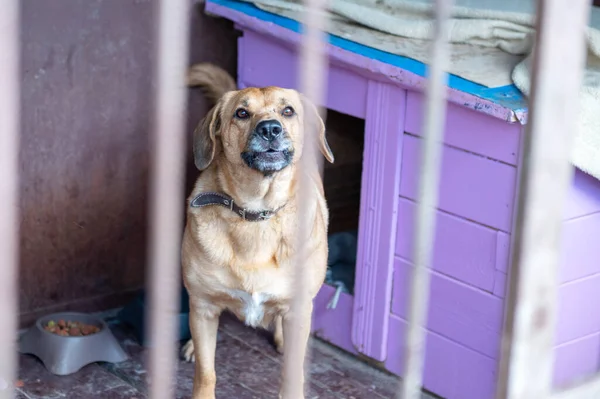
(262,129)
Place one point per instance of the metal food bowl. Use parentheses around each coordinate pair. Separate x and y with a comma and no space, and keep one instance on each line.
(63,355)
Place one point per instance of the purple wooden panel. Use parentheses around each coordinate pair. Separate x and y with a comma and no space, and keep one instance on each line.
(584,197)
(580,252)
(471,186)
(462,249)
(451,370)
(377,224)
(578,313)
(459,312)
(580,248)
(264,62)
(576,359)
(333,325)
(502,251)
(347,91)
(470,130)
(500,284)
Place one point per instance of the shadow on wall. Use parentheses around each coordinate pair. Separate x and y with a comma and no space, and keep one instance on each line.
(87,71)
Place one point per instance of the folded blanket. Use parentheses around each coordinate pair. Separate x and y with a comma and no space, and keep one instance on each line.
(492,42)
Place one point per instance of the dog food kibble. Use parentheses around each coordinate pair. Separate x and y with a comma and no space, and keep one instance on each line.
(70,328)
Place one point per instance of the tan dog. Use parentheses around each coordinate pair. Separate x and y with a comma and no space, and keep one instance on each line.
(241,232)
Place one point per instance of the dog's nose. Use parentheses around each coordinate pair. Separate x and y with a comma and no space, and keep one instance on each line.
(269,130)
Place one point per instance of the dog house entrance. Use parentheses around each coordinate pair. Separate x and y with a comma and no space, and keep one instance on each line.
(342,183)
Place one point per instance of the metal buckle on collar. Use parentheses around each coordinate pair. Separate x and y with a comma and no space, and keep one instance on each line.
(264,215)
(243,213)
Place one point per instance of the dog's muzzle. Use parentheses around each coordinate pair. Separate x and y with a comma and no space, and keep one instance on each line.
(269,149)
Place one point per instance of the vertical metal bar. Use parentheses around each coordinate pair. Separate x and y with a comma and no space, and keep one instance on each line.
(589,389)
(433,128)
(9,157)
(312,79)
(528,340)
(166,193)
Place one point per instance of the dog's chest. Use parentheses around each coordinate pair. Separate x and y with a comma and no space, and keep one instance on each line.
(257,244)
(251,307)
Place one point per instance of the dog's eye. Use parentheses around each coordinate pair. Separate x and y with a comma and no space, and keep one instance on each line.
(241,113)
(288,111)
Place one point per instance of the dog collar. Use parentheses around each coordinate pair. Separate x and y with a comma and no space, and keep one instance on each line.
(205,199)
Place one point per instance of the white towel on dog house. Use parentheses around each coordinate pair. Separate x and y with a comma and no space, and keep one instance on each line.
(492,41)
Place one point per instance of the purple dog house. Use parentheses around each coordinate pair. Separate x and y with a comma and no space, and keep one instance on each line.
(477,198)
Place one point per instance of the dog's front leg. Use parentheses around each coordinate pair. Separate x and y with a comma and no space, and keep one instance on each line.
(296,332)
(204,335)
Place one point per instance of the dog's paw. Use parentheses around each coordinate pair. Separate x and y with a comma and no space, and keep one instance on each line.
(283,395)
(278,335)
(278,341)
(187,351)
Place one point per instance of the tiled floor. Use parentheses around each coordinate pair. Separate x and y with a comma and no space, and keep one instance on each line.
(247,368)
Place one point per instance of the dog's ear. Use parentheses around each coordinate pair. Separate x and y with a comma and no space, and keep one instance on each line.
(309,107)
(205,137)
